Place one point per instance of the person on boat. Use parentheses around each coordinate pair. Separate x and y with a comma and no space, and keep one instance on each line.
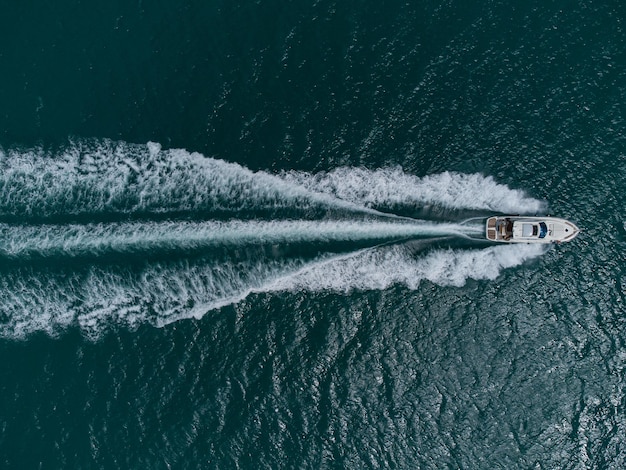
(509,229)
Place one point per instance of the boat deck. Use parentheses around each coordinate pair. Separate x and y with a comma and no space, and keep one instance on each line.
(491,229)
(522,229)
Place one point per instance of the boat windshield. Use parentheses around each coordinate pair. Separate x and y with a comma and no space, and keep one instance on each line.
(543,230)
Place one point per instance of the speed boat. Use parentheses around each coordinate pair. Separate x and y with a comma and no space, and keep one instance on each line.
(516,229)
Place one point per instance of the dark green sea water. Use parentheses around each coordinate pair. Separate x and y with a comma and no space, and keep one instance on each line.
(230,234)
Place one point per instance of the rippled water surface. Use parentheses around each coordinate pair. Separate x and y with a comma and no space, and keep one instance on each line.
(248,235)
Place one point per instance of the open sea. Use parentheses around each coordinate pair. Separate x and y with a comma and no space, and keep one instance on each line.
(248,234)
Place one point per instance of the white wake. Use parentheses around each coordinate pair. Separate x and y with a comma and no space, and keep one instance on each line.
(389,187)
(161,293)
(144,199)
(23,241)
(105,177)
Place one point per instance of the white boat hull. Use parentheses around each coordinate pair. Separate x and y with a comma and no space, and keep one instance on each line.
(516,229)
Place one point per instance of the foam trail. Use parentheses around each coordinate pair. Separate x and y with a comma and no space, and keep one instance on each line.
(97,181)
(380,269)
(95,177)
(391,187)
(95,299)
(105,177)
(99,239)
